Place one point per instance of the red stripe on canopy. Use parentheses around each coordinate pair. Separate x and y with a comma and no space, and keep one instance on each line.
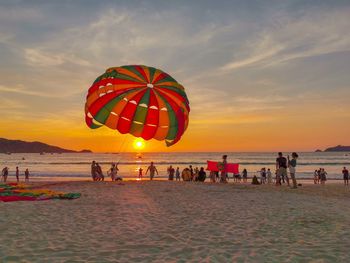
(127,115)
(152,118)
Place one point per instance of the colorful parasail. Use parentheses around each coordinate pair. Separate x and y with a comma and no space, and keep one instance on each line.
(143,101)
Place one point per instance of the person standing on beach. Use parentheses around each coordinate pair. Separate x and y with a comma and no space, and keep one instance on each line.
(201,175)
(26,176)
(192,173)
(93,171)
(319,175)
(245,175)
(17,174)
(171,172)
(177,174)
(292,164)
(281,168)
(263,175)
(346,176)
(140,172)
(112,172)
(323,176)
(100,176)
(5,173)
(152,170)
(316,177)
(224,169)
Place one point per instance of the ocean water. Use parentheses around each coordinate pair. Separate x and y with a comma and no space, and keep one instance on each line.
(78,165)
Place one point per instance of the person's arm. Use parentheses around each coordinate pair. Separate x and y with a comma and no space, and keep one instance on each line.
(277,166)
(147,170)
(156,170)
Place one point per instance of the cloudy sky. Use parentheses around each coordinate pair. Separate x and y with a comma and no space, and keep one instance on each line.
(260,75)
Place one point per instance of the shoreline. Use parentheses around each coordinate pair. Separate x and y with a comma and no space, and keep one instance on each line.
(127,179)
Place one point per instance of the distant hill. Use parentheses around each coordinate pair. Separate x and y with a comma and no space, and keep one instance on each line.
(17,146)
(338,148)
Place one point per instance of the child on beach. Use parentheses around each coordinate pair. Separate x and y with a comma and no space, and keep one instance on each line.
(345,176)
(177,174)
(140,173)
(26,175)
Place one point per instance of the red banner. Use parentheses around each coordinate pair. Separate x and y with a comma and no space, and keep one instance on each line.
(230,167)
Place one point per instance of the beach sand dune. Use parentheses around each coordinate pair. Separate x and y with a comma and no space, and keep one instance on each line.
(163,221)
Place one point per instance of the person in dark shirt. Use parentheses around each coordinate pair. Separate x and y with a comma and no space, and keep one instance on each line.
(245,175)
(281,168)
(202,175)
(346,176)
(171,173)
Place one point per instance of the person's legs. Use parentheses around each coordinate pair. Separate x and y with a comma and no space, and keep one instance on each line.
(285,175)
(278,177)
(292,175)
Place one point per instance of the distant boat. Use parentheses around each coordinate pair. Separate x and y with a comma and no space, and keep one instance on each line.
(8,153)
(23,158)
(41,153)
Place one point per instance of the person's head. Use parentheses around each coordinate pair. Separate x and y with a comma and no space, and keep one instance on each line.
(171,167)
(151,163)
(224,157)
(190,166)
(268,169)
(295,155)
(17,167)
(280,154)
(202,169)
(177,168)
(93,162)
(344,167)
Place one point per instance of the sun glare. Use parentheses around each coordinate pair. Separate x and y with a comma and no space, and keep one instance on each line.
(139,144)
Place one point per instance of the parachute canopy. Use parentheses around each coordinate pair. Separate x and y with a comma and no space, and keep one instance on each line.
(143,101)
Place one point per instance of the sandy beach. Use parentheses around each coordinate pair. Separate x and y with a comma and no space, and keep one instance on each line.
(163,221)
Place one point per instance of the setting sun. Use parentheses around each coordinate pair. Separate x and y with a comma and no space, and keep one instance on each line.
(139,144)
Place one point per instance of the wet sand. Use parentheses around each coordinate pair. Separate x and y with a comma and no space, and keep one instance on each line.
(164,221)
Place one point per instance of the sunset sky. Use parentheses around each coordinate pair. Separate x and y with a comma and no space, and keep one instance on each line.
(259,75)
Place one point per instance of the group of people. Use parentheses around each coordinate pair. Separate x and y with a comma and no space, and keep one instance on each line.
(190,174)
(187,174)
(97,174)
(320,176)
(283,164)
(5,173)
(285,170)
